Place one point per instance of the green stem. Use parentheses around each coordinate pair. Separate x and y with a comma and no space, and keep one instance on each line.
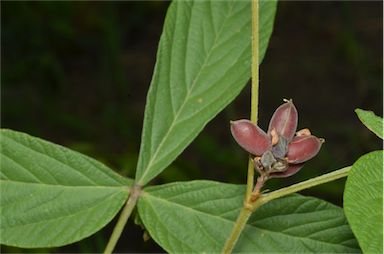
(334,175)
(250,179)
(236,231)
(255,61)
(127,210)
(245,212)
(254,87)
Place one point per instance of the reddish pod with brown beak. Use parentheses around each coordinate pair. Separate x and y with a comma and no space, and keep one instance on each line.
(303,148)
(284,121)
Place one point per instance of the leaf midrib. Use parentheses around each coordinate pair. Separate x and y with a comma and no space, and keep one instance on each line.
(189,91)
(126,188)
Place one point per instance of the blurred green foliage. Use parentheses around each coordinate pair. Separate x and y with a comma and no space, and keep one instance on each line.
(77,73)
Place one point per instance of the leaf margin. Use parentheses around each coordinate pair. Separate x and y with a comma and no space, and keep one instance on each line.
(121,189)
(373,122)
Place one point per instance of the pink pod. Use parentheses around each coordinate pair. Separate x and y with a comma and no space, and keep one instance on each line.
(250,137)
(284,120)
(303,148)
(291,170)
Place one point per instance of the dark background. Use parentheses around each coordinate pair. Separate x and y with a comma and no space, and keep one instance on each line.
(77,73)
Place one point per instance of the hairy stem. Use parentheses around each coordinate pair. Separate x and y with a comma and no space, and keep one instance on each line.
(250,179)
(254,87)
(246,211)
(255,61)
(334,175)
(127,210)
(236,231)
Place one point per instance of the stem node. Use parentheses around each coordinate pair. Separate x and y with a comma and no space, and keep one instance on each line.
(125,213)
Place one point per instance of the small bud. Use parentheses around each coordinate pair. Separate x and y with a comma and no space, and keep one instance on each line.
(303,148)
(267,160)
(291,170)
(284,120)
(250,137)
(280,166)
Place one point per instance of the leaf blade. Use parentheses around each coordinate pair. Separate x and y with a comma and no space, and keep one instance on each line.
(373,122)
(201,215)
(52,196)
(203,62)
(363,201)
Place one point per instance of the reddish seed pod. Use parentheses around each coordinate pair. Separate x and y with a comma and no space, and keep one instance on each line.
(284,120)
(291,170)
(250,137)
(303,148)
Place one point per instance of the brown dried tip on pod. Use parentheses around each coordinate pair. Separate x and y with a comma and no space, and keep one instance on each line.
(303,148)
(291,170)
(250,137)
(284,120)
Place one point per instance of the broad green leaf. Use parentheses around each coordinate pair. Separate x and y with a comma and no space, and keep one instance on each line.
(197,217)
(203,62)
(371,121)
(52,196)
(363,201)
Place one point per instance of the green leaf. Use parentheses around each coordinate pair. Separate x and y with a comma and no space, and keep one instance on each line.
(52,196)
(363,201)
(198,216)
(203,62)
(371,121)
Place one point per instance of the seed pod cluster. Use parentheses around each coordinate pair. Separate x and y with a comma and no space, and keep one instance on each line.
(279,152)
